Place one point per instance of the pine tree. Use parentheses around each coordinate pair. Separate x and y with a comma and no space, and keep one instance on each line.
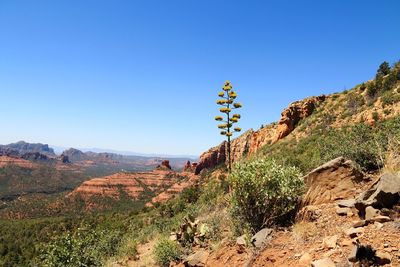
(227,97)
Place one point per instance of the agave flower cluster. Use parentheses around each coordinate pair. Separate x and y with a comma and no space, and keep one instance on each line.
(227,98)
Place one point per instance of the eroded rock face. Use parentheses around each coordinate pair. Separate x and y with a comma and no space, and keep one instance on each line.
(212,158)
(294,113)
(334,180)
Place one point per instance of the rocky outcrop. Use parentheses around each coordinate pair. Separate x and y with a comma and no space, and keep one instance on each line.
(384,193)
(294,113)
(74,155)
(212,158)
(337,179)
(36,156)
(251,141)
(164,165)
(24,147)
(190,167)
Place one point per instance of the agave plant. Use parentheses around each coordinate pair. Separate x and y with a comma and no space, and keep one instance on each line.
(228,97)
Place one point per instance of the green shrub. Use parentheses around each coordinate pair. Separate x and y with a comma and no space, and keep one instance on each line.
(84,247)
(263,192)
(166,251)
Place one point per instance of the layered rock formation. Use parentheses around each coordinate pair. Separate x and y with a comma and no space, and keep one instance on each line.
(6,160)
(249,142)
(133,184)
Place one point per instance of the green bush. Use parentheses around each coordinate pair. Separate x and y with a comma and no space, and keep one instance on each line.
(166,251)
(84,247)
(263,192)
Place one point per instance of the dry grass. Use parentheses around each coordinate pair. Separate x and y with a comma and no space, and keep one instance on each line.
(304,231)
(391,158)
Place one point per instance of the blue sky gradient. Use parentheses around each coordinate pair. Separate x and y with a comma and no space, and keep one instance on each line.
(143,75)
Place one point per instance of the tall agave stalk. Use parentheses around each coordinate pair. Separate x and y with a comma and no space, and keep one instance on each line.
(227,97)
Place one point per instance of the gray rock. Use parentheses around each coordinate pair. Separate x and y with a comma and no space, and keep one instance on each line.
(261,239)
(384,193)
(353,232)
(361,223)
(371,212)
(383,258)
(323,263)
(241,240)
(197,259)
(381,219)
(346,203)
(343,211)
(330,242)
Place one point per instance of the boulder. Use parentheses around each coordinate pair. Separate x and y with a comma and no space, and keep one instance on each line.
(334,180)
(384,193)
(261,238)
(197,259)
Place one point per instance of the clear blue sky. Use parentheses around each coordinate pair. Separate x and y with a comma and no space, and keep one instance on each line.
(143,75)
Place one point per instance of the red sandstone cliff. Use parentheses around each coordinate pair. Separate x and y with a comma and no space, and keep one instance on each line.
(249,142)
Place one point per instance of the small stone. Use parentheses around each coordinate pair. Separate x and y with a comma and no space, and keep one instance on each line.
(347,243)
(323,263)
(305,259)
(353,254)
(343,211)
(330,242)
(383,257)
(381,219)
(378,225)
(361,223)
(241,240)
(353,232)
(261,238)
(346,203)
(385,245)
(197,259)
(371,212)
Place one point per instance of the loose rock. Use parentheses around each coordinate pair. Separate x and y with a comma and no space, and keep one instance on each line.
(305,259)
(383,258)
(323,263)
(261,239)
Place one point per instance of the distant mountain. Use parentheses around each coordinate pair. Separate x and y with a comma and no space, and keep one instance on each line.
(59,150)
(23,148)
